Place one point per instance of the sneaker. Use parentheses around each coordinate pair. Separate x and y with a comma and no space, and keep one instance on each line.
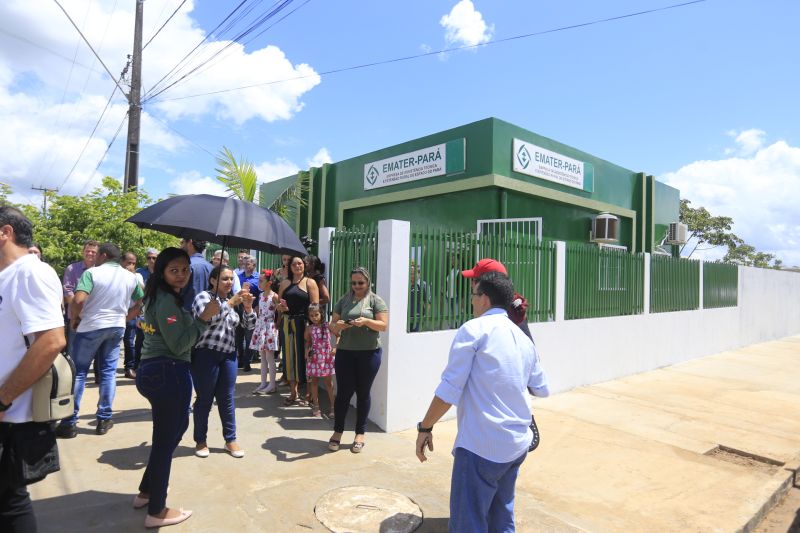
(103,426)
(66,431)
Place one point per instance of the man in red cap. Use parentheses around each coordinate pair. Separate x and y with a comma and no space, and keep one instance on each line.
(518,310)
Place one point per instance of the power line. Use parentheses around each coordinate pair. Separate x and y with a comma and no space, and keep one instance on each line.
(165,23)
(91,135)
(203,148)
(236,39)
(110,144)
(89,45)
(445,50)
(50,50)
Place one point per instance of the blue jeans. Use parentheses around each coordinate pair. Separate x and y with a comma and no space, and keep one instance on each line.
(104,345)
(355,372)
(129,344)
(214,376)
(482,493)
(167,385)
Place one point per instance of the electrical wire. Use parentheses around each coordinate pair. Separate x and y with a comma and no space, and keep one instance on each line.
(445,50)
(198,145)
(110,144)
(91,136)
(162,26)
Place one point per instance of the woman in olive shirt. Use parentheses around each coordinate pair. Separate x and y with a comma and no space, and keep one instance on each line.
(164,377)
(358,318)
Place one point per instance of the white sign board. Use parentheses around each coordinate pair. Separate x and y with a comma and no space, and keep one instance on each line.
(542,163)
(417,165)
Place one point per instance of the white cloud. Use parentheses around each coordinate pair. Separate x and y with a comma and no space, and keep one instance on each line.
(194,182)
(760,191)
(748,142)
(48,105)
(320,158)
(464,25)
(275,170)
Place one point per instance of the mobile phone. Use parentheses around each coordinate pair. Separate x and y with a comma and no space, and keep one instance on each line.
(349,321)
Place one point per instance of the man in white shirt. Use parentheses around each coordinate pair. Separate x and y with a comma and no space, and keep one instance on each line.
(30,305)
(106,297)
(491,368)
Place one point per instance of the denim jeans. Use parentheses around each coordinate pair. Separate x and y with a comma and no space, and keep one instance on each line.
(129,343)
(103,344)
(214,376)
(355,372)
(482,493)
(167,385)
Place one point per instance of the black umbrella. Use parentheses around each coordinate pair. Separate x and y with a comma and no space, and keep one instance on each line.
(231,222)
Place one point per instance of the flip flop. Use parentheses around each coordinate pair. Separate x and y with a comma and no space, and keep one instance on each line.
(288,402)
(333,445)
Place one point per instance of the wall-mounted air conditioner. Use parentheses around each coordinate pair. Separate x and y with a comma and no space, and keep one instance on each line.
(605,229)
(677,233)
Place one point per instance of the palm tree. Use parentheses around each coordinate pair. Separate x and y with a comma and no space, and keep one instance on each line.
(242,182)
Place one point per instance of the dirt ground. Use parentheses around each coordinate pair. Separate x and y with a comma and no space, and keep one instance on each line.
(785,517)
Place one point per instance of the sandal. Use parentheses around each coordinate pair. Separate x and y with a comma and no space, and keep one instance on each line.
(357,447)
(331,414)
(315,411)
(288,402)
(333,445)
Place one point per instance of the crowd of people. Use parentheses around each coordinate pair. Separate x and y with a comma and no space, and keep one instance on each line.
(189,326)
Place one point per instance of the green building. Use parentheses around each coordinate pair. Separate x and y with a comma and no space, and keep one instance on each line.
(490,171)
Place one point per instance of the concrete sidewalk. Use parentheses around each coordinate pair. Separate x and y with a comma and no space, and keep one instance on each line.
(635,454)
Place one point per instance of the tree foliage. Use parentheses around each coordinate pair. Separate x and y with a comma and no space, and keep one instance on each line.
(715,231)
(239,176)
(100,215)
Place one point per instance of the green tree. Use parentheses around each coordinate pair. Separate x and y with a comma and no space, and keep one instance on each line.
(100,215)
(744,254)
(241,180)
(706,229)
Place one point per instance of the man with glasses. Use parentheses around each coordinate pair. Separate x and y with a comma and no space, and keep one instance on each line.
(491,368)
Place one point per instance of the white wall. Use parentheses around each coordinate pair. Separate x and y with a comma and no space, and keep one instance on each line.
(573,352)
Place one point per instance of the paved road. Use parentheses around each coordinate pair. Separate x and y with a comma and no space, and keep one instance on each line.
(634,454)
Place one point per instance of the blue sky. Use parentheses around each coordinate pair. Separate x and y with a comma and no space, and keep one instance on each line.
(703,96)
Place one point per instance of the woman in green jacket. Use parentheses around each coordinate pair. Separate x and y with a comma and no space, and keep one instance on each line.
(164,377)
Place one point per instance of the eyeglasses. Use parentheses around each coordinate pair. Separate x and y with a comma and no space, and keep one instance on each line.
(354,283)
(151,258)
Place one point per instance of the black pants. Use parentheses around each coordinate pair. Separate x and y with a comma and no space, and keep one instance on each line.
(355,372)
(16,511)
(243,338)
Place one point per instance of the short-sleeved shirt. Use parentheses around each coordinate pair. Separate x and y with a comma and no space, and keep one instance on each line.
(112,291)
(30,302)
(359,338)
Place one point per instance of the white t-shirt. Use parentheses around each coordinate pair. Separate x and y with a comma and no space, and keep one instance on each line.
(112,291)
(30,302)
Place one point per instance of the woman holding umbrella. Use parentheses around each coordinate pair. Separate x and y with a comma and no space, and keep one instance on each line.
(296,293)
(164,377)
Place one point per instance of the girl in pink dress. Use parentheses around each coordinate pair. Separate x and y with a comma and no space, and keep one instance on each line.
(265,334)
(319,358)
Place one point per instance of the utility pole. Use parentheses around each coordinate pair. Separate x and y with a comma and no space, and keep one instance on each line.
(135,109)
(44,190)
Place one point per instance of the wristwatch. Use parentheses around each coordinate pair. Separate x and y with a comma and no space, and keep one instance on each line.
(5,407)
(421,429)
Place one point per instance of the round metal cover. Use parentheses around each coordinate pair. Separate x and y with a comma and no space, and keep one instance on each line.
(362,509)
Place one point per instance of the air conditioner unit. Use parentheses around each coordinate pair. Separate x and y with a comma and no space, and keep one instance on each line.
(605,229)
(677,233)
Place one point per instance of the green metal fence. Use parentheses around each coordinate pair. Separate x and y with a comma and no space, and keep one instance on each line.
(602,282)
(674,284)
(439,296)
(720,285)
(351,247)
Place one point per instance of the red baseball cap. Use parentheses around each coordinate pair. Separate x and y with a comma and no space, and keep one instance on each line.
(483,266)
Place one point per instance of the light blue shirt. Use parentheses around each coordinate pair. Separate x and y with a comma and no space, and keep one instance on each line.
(491,369)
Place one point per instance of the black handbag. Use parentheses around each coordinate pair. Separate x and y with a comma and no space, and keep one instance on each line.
(535,439)
(30,452)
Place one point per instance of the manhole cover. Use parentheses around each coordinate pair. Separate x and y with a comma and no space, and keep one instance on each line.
(367,510)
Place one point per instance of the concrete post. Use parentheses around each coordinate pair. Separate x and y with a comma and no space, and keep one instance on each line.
(561,280)
(701,285)
(391,285)
(646,288)
(324,247)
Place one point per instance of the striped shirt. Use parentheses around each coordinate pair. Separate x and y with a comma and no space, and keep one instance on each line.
(221,332)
